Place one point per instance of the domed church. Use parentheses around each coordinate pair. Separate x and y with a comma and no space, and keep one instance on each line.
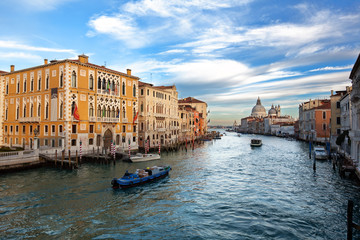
(258,110)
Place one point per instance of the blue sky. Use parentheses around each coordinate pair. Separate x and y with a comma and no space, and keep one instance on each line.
(226,53)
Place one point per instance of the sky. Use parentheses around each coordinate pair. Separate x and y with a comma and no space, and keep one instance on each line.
(224,52)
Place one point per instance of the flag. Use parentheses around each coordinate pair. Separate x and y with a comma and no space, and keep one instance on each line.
(76,113)
(135,117)
(103,112)
(108,86)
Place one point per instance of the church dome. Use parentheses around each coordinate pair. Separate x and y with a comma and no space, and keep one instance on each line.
(272,111)
(258,110)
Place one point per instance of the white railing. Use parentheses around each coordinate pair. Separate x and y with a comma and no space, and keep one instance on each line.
(161,129)
(107,119)
(124,120)
(29,119)
(92,119)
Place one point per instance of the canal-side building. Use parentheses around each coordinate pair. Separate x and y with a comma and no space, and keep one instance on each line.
(65,103)
(2,79)
(186,122)
(201,108)
(315,123)
(343,138)
(335,121)
(306,124)
(158,115)
(355,114)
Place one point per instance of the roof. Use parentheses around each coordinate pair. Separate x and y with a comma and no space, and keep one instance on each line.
(326,105)
(144,84)
(355,68)
(190,100)
(3,72)
(54,62)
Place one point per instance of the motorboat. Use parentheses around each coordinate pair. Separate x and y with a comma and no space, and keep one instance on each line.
(255,142)
(139,157)
(141,176)
(320,153)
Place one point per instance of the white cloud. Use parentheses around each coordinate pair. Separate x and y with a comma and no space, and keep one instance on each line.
(330,68)
(24,47)
(19,55)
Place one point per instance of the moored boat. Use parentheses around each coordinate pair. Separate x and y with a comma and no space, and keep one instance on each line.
(256,142)
(140,177)
(139,157)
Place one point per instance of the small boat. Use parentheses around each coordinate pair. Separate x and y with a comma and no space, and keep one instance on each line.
(140,177)
(139,157)
(320,153)
(256,143)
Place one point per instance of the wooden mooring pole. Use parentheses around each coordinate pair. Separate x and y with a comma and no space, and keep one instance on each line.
(62,158)
(55,157)
(69,159)
(350,224)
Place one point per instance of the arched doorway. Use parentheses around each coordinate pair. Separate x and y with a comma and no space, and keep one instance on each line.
(107,139)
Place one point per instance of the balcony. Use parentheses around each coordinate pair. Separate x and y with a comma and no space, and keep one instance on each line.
(92,119)
(29,119)
(161,129)
(161,115)
(107,119)
(125,120)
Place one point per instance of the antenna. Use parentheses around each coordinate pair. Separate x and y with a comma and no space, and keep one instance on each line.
(105,63)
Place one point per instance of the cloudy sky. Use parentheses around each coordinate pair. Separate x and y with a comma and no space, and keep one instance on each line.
(225,52)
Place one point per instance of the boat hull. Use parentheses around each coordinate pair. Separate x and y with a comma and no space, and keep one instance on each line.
(128,183)
(144,159)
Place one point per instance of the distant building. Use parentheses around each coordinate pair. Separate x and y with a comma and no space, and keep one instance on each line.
(201,108)
(335,122)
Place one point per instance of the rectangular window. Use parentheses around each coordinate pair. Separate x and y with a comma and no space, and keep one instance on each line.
(60,143)
(91,141)
(338,121)
(6,129)
(338,131)
(142,92)
(53,129)
(134,128)
(337,104)
(148,92)
(17,129)
(324,115)
(46,142)
(24,130)
(11,129)
(73,142)
(124,128)
(74,131)
(31,129)
(91,129)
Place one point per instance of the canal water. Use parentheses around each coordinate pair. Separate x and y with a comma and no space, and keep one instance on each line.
(222,190)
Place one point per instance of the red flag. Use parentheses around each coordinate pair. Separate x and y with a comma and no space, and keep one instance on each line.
(135,117)
(76,113)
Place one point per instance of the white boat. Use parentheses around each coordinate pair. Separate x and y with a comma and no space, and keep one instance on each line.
(320,153)
(256,143)
(139,157)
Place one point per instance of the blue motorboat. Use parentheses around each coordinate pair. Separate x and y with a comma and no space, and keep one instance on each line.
(140,177)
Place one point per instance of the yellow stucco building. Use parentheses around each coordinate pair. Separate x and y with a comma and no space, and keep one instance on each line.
(38,106)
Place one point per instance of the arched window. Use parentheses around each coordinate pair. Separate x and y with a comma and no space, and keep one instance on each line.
(17,112)
(104,84)
(24,113)
(108,112)
(61,79)
(39,110)
(113,86)
(24,85)
(108,87)
(104,111)
(123,89)
(73,79)
(47,111)
(61,110)
(112,112)
(47,82)
(99,111)
(141,107)
(72,108)
(91,82)
(124,112)
(134,90)
(99,83)
(117,88)
(117,112)
(7,88)
(39,83)
(31,110)
(91,110)
(6,113)
(18,86)
(32,84)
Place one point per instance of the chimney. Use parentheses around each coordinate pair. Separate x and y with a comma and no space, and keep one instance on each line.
(12,68)
(83,58)
(332,92)
(128,72)
(45,61)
